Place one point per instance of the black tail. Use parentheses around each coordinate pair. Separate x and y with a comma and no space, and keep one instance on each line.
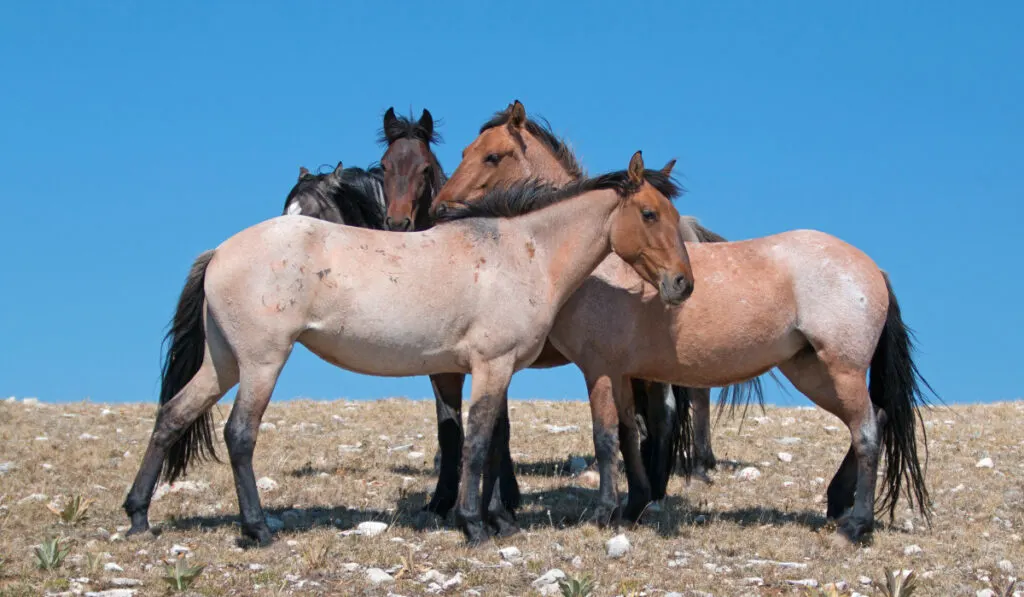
(667,437)
(683,449)
(895,388)
(186,341)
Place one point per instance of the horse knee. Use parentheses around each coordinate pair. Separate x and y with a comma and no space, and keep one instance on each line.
(240,439)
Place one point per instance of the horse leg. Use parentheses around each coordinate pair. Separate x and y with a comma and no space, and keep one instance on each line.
(704,457)
(448,401)
(254,391)
(629,443)
(605,418)
(499,516)
(843,391)
(206,387)
(489,389)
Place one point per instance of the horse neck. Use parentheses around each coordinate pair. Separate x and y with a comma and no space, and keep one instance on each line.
(573,237)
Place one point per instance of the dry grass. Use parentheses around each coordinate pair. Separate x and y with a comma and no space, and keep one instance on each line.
(707,538)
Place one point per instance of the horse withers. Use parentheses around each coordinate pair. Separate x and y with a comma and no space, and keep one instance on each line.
(519,253)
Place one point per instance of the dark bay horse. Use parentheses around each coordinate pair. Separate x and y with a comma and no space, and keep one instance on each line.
(412,173)
(351,196)
(510,261)
(511,147)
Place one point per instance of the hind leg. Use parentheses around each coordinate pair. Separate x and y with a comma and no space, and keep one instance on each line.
(206,387)
(254,391)
(629,444)
(843,391)
(704,456)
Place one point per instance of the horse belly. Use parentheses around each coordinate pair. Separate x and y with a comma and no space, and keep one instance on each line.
(386,355)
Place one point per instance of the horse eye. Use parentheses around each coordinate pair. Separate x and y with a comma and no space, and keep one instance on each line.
(649,215)
(492,158)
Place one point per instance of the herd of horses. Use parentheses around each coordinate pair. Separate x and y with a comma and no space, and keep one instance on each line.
(522,260)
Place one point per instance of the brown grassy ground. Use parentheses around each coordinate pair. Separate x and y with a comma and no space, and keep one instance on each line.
(709,538)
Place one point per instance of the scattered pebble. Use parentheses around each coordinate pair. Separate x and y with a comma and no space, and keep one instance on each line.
(180,487)
(452,582)
(617,546)
(757,581)
(510,554)
(807,582)
(551,577)
(257,567)
(378,576)
(831,429)
(414,455)
(749,473)
(986,593)
(577,562)
(31,402)
(911,550)
(789,441)
(562,428)
(371,528)
(266,484)
(112,567)
(351,567)
(864,580)
(268,426)
(180,550)
(590,479)
(432,576)
(1006,566)
(87,437)
(126,582)
(985,463)
(112,593)
(6,467)
(785,457)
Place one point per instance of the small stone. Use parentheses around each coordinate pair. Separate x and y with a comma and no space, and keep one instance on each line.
(415,455)
(180,487)
(47,466)
(788,483)
(30,402)
(807,582)
(1006,566)
(785,457)
(864,580)
(617,546)
(371,528)
(577,562)
(452,582)
(562,428)
(674,594)
(378,576)
(126,582)
(985,463)
(590,479)
(757,581)
(180,550)
(112,593)
(257,567)
(6,467)
(106,412)
(87,437)
(551,577)
(911,550)
(510,554)
(351,567)
(788,441)
(291,543)
(831,429)
(577,464)
(986,593)
(274,523)
(432,576)
(750,473)
(268,426)
(266,484)
(112,567)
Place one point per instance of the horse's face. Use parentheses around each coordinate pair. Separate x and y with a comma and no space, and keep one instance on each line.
(408,170)
(501,154)
(645,233)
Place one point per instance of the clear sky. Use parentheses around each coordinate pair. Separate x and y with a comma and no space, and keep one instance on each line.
(136,135)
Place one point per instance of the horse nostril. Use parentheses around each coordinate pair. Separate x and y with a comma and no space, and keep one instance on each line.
(683,285)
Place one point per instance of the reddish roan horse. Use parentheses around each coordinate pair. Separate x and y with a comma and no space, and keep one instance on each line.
(808,303)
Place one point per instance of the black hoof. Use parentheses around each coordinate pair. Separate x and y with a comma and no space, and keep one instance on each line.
(702,475)
(836,512)
(855,530)
(256,535)
(503,524)
(634,511)
(426,519)
(606,515)
(476,533)
(440,506)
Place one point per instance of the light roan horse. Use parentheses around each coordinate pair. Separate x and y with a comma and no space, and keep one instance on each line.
(806,302)
(512,147)
(330,287)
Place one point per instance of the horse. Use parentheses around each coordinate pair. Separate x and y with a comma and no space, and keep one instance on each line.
(806,302)
(513,147)
(412,173)
(351,196)
(513,259)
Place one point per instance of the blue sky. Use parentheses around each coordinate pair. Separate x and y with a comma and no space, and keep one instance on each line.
(137,135)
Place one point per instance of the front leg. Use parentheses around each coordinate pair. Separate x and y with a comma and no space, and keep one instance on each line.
(489,390)
(448,401)
(605,419)
(704,457)
(629,443)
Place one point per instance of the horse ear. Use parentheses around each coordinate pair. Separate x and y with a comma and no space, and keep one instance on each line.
(338,169)
(667,168)
(636,168)
(517,115)
(427,122)
(303,172)
(389,117)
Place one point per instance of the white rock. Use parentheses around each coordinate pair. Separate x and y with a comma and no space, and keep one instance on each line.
(268,426)
(590,479)
(864,580)
(452,582)
(42,438)
(6,467)
(180,550)
(748,474)
(831,428)
(551,577)
(785,457)
(617,546)
(788,483)
(757,581)
(985,463)
(112,593)
(415,455)
(562,428)
(291,543)
(274,523)
(911,550)
(432,576)
(106,412)
(266,484)
(577,464)
(1006,566)
(257,567)
(112,567)
(351,567)
(180,487)
(30,402)
(577,562)
(674,594)
(87,437)
(510,554)
(378,576)
(788,441)
(371,528)
(807,582)
(986,593)
(126,582)
(11,400)
(47,466)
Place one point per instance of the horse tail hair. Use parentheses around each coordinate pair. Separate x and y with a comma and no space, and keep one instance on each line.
(896,388)
(666,437)
(743,393)
(683,443)
(185,347)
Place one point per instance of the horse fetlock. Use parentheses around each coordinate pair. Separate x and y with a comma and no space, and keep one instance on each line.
(856,528)
(257,534)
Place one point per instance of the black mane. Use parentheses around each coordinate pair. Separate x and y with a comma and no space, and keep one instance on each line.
(513,200)
(542,131)
(403,127)
(353,197)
